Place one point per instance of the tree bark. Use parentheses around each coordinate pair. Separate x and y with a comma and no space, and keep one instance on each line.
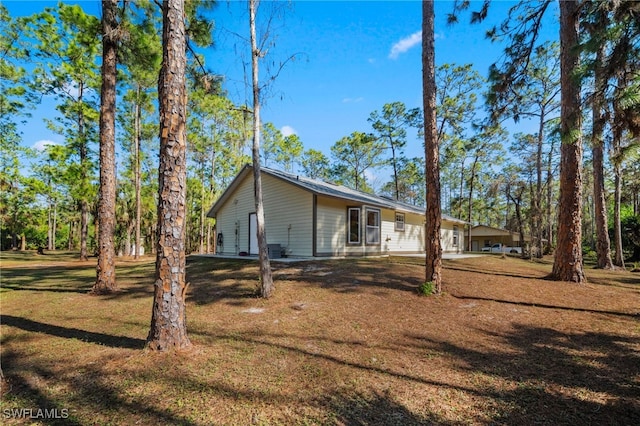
(49,226)
(470,198)
(603,243)
(567,265)
(136,158)
(84,229)
(617,223)
(84,205)
(169,317)
(433,258)
(549,219)
(106,268)
(202,214)
(55,224)
(70,240)
(537,200)
(267,288)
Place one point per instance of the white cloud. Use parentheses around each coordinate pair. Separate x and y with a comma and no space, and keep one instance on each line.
(288,131)
(405,44)
(42,144)
(352,100)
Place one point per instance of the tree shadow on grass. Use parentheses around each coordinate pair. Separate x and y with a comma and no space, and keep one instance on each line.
(376,409)
(134,280)
(352,276)
(560,378)
(73,333)
(213,280)
(531,375)
(92,392)
(546,306)
(628,282)
(204,293)
(221,280)
(33,399)
(70,279)
(537,276)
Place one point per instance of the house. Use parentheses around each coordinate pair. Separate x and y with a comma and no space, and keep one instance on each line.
(311,218)
(486,236)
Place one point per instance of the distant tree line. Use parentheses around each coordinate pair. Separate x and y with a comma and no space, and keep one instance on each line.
(49,197)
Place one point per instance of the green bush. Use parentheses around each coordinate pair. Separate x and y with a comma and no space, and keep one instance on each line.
(426,288)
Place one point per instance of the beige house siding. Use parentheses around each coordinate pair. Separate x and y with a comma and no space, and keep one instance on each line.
(411,240)
(331,232)
(307,222)
(232,220)
(287,211)
(447,237)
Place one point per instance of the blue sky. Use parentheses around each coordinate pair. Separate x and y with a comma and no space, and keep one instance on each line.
(352,57)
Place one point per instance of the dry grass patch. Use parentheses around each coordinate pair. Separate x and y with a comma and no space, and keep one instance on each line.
(341,342)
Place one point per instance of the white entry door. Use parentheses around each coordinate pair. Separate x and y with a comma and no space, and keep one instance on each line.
(253,234)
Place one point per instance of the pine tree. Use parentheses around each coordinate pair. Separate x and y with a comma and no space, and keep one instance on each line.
(106,268)
(168,321)
(433,260)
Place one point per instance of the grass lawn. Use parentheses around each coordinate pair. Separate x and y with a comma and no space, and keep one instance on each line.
(341,343)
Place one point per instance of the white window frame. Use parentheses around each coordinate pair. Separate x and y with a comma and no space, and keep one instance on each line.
(456,235)
(372,229)
(400,223)
(349,225)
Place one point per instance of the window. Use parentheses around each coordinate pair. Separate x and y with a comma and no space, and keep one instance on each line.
(353,218)
(455,236)
(373,226)
(399,221)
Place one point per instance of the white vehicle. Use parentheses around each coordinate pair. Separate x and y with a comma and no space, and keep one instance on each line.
(499,248)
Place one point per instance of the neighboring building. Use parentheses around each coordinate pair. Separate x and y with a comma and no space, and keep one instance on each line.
(310,218)
(486,236)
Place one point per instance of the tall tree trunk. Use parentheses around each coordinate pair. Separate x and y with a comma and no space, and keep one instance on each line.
(14,234)
(106,269)
(603,243)
(55,224)
(267,286)
(136,158)
(537,201)
(567,265)
(549,184)
(169,317)
(470,207)
(433,258)
(212,192)
(461,189)
(84,205)
(202,214)
(50,226)
(84,229)
(395,169)
(517,203)
(127,241)
(70,240)
(617,224)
